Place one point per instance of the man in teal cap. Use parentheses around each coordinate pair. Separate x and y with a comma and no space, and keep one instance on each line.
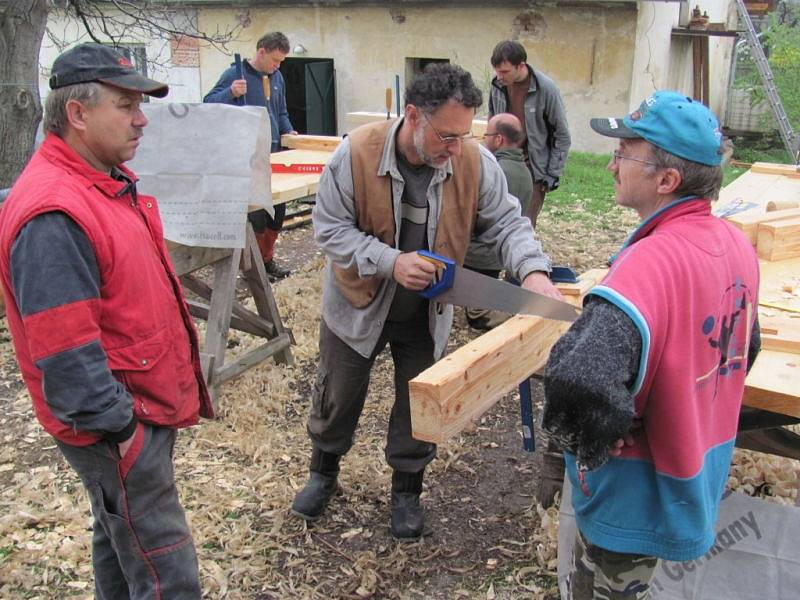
(644,390)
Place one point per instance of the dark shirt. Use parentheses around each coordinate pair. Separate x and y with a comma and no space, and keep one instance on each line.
(408,304)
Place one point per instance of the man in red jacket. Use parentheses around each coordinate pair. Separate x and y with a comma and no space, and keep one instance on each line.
(101,329)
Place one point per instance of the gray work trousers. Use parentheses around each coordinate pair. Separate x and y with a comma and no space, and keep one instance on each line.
(142,547)
(341,389)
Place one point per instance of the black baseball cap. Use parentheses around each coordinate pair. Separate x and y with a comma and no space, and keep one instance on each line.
(95,62)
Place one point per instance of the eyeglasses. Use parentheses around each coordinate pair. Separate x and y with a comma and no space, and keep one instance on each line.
(618,157)
(448,139)
(491,134)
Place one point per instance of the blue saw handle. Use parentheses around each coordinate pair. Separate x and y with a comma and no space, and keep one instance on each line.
(445,274)
(563,275)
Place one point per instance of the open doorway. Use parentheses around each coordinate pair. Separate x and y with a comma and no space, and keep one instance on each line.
(311,94)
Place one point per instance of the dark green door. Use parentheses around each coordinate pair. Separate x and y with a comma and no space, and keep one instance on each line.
(320,98)
(311,94)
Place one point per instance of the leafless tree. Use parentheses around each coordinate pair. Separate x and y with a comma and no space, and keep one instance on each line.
(23,25)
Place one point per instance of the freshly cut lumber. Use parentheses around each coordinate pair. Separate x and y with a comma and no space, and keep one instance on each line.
(774,205)
(310,142)
(586,281)
(779,240)
(780,344)
(772,383)
(776,169)
(749,222)
(465,384)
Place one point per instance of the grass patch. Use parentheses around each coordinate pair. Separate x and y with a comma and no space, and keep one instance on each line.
(764,148)
(586,190)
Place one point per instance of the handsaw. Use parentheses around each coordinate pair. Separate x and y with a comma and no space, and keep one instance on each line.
(462,287)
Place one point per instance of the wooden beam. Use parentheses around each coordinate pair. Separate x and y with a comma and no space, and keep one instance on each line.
(776,169)
(586,281)
(774,205)
(465,384)
(186,259)
(310,142)
(780,343)
(779,240)
(749,222)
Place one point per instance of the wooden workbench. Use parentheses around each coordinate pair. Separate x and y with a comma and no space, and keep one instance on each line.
(219,306)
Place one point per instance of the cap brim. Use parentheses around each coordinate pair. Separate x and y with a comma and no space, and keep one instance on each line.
(138,83)
(611,127)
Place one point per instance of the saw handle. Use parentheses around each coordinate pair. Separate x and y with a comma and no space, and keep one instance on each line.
(445,274)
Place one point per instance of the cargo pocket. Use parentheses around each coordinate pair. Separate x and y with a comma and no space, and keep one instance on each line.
(118,529)
(147,371)
(319,407)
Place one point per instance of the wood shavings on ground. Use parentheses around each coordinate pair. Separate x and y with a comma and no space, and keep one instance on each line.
(237,477)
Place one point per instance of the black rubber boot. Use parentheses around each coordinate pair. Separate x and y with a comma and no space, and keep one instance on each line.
(408,517)
(310,502)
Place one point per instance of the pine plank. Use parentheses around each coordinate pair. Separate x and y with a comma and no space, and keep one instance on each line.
(749,222)
(310,142)
(465,384)
(774,205)
(780,343)
(586,281)
(776,169)
(772,383)
(774,276)
(779,240)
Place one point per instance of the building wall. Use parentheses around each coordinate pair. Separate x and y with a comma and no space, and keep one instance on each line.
(587,51)
(604,57)
(664,60)
(173,62)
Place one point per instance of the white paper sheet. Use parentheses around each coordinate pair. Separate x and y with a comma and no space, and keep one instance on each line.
(756,555)
(205,164)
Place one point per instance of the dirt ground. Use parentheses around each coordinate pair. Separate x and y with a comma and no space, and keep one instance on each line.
(238,474)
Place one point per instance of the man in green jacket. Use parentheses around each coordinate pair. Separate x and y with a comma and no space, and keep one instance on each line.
(504,137)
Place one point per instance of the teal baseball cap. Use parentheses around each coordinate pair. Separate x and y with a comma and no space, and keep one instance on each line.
(673,122)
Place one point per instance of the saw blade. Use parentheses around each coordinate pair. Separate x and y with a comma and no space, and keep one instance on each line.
(474,290)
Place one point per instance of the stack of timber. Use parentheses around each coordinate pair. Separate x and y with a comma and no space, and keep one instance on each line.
(465,384)
(770,195)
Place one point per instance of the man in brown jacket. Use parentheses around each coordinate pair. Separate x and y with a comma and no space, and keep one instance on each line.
(390,189)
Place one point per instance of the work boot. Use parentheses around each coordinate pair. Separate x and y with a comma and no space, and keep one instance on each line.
(408,516)
(275,271)
(310,502)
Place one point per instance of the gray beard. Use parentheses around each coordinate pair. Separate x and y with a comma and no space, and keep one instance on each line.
(417,138)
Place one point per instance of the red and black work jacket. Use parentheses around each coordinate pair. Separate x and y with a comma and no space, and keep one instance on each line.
(140,317)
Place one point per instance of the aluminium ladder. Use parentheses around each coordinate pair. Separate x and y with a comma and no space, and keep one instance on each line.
(790,140)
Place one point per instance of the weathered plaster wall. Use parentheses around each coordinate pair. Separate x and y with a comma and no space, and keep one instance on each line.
(588,50)
(665,61)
